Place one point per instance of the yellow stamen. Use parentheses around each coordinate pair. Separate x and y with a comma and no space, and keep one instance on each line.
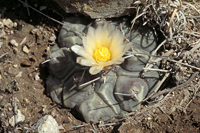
(102,54)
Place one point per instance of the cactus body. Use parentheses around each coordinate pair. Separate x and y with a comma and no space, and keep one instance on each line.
(103,99)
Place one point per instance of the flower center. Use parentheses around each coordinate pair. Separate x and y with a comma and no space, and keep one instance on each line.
(102,54)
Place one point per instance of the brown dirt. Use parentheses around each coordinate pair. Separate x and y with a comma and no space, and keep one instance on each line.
(34,103)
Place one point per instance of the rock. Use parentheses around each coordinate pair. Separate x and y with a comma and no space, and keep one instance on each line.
(97,8)
(47,124)
(11,32)
(25,100)
(8,23)
(19,74)
(37,77)
(15,24)
(20,117)
(1,25)
(13,43)
(30,44)
(52,38)
(25,49)
(25,64)
(2,33)
(34,31)
(54,113)
(1,43)
(15,65)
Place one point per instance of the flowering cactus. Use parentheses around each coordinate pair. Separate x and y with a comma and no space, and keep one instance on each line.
(98,50)
(103,47)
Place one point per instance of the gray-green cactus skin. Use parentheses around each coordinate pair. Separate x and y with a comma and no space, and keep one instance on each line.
(101,100)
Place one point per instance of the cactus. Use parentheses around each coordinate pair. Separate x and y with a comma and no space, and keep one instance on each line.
(103,99)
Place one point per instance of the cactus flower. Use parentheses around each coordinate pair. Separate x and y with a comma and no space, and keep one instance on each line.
(102,48)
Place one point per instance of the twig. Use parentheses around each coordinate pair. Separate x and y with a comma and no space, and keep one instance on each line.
(184,64)
(14,104)
(133,22)
(23,41)
(195,93)
(78,126)
(165,113)
(46,61)
(192,6)
(108,124)
(94,129)
(196,3)
(27,8)
(157,88)
(41,13)
(149,65)
(4,54)
(159,70)
(176,87)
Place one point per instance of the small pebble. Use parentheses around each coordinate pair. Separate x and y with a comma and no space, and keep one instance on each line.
(19,74)
(30,75)
(20,117)
(25,100)
(44,110)
(47,124)
(54,113)
(149,118)
(38,33)
(25,49)
(33,31)
(30,44)
(25,63)
(2,34)
(15,65)
(13,43)
(179,40)
(37,77)
(52,38)
(15,24)
(11,32)
(8,23)
(10,108)
(1,43)
(1,25)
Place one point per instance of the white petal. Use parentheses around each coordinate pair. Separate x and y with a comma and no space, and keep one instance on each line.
(117,44)
(81,51)
(99,36)
(95,69)
(89,41)
(117,51)
(85,62)
(106,40)
(89,45)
